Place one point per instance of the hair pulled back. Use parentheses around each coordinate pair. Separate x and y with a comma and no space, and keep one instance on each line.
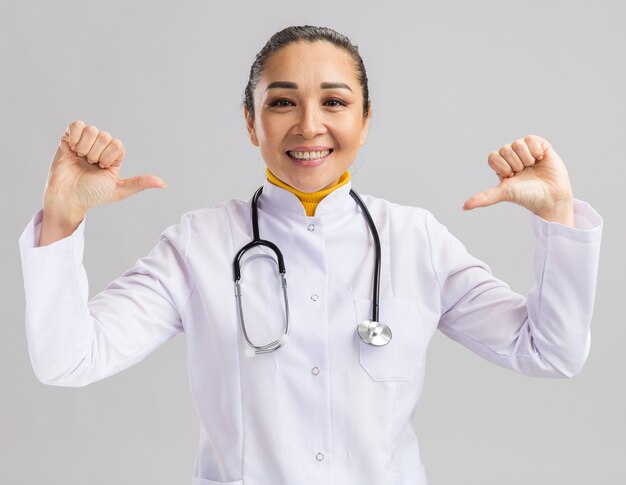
(307,33)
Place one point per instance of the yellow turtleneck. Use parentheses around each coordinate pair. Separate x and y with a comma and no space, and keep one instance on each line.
(309,199)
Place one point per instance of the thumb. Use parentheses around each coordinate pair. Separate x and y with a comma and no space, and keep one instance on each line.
(133,185)
(64,144)
(486,198)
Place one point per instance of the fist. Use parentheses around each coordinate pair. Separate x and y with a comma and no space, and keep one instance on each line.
(84,172)
(93,145)
(531,174)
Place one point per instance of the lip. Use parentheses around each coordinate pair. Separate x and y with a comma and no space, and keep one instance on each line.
(311,162)
(316,148)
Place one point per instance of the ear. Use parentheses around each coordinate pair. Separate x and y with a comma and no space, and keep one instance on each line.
(250,125)
(366,126)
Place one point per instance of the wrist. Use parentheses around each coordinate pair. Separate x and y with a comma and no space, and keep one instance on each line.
(60,210)
(562,212)
(58,222)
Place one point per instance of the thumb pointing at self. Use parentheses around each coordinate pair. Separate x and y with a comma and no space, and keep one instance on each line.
(133,185)
(486,198)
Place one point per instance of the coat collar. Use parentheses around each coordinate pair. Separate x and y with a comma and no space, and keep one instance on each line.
(281,200)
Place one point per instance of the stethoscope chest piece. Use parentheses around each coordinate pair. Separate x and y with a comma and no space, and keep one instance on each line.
(374,333)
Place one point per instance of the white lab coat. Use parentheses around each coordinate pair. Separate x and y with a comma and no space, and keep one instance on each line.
(326,408)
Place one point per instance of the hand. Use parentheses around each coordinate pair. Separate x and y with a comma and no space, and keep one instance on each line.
(532,175)
(85,171)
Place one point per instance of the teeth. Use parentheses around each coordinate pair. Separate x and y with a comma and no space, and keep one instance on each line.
(309,155)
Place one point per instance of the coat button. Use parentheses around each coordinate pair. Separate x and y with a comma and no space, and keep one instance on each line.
(314,297)
(319,456)
(311,227)
(315,371)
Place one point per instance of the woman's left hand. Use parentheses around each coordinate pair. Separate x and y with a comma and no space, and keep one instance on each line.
(532,175)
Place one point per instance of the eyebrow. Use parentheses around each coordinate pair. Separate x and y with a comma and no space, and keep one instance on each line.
(290,85)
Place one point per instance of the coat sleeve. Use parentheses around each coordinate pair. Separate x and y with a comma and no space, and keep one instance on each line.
(74,341)
(545,334)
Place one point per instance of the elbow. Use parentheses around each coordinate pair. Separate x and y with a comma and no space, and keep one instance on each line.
(58,381)
(567,360)
(55,376)
(567,368)
(572,369)
(540,366)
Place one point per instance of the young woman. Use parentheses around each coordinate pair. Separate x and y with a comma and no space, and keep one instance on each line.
(332,402)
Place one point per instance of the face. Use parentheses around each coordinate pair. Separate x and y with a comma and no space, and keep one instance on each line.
(308,99)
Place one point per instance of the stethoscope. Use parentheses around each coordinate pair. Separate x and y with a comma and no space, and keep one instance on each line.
(371,332)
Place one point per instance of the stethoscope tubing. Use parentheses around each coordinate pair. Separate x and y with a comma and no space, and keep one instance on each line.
(257,241)
(374,232)
(368,333)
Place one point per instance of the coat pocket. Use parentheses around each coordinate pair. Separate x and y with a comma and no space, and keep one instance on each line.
(404,355)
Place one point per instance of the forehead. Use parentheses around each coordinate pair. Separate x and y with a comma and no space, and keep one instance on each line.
(310,62)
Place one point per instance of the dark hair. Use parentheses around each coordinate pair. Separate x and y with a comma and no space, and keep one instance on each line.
(307,33)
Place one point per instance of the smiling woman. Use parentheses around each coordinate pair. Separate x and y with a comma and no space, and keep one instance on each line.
(306,113)
(333,404)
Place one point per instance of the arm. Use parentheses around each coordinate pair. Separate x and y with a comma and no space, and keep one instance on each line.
(545,334)
(74,341)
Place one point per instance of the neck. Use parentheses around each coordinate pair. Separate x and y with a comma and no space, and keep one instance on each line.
(309,200)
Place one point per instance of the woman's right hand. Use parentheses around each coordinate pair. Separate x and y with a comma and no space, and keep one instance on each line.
(85,172)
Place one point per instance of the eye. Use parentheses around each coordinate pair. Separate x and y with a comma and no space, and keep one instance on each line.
(335,103)
(281,103)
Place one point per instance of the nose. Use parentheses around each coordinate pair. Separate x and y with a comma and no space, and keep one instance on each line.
(310,122)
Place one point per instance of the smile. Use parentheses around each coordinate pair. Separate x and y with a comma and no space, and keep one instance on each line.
(315,155)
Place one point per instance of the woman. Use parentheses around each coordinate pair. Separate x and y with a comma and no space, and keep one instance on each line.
(325,406)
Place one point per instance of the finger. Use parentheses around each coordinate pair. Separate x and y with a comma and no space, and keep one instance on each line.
(113,154)
(133,185)
(73,133)
(499,165)
(87,139)
(523,152)
(511,158)
(486,198)
(537,145)
(102,140)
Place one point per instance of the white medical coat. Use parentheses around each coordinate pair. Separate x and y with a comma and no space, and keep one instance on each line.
(326,408)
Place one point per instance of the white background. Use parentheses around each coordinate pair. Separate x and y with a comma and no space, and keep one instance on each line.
(449,81)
